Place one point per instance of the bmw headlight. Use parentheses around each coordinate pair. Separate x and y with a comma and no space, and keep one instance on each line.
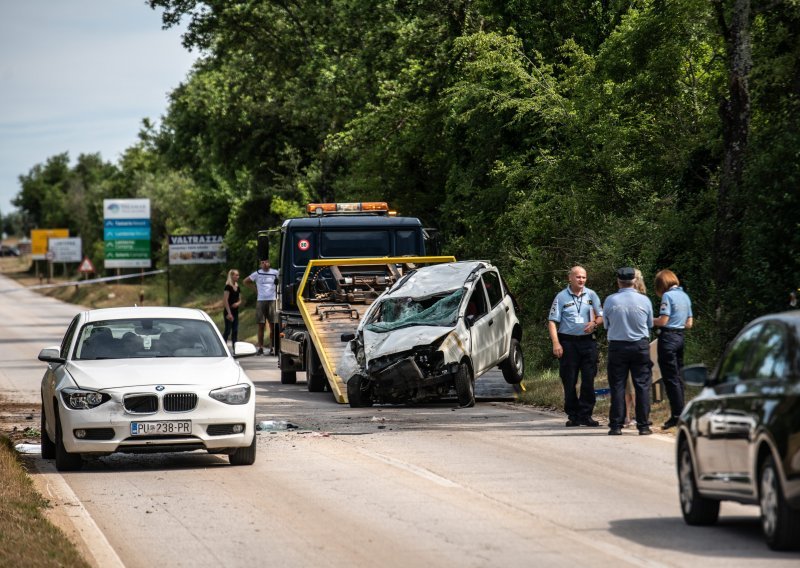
(237,394)
(80,399)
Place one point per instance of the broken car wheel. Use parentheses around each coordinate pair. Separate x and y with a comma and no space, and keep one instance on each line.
(465,386)
(356,395)
(513,366)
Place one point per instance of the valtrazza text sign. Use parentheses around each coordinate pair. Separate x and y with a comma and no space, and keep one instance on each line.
(126,231)
(196,249)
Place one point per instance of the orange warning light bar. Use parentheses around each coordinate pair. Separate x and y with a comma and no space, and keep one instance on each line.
(318,209)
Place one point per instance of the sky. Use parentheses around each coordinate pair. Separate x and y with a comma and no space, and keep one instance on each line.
(79,76)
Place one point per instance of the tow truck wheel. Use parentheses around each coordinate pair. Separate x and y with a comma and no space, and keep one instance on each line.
(287,377)
(315,376)
(465,386)
(355,392)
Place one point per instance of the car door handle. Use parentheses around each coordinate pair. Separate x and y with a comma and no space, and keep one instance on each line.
(491,322)
(506,309)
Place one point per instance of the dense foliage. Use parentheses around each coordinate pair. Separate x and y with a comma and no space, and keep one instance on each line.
(539,134)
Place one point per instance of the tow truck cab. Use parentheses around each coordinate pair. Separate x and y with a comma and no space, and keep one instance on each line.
(332,231)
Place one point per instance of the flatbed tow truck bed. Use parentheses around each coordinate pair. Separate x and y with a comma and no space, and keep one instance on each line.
(327,320)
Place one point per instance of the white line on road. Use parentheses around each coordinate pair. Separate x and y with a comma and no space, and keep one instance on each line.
(416,470)
(55,487)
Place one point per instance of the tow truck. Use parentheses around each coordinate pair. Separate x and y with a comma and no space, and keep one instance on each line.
(339,291)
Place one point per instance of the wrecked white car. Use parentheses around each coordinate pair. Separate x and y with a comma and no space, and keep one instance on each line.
(437,329)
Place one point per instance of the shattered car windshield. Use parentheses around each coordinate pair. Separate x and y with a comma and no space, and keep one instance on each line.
(439,310)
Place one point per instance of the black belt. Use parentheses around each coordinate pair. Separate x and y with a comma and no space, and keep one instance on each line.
(624,342)
(568,337)
(671,330)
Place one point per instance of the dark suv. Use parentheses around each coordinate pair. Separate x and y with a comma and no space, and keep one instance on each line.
(739,439)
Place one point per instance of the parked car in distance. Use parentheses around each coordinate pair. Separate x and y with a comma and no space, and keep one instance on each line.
(6,250)
(436,329)
(145,379)
(739,439)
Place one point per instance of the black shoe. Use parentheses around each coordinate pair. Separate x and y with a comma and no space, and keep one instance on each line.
(260,351)
(615,432)
(572,423)
(646,431)
(272,351)
(591,422)
(671,423)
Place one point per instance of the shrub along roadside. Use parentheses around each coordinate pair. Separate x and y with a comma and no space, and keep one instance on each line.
(27,538)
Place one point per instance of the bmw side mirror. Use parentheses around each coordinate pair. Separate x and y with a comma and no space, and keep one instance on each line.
(695,375)
(51,355)
(347,337)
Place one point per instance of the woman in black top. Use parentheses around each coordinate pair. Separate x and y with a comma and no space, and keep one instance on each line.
(230,302)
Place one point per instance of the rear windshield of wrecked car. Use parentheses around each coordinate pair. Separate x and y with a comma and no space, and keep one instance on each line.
(147,337)
(394,313)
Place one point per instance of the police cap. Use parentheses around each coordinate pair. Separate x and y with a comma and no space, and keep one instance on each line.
(626,273)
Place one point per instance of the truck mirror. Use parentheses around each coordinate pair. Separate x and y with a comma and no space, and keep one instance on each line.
(348,337)
(263,246)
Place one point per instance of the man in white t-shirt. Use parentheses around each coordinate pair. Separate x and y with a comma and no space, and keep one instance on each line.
(264,281)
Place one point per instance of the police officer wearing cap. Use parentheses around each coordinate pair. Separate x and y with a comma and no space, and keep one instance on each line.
(574,316)
(628,319)
(674,316)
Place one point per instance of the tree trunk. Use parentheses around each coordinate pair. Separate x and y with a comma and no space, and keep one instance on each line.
(735,115)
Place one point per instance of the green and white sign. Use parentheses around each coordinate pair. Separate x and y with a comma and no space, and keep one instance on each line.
(126,229)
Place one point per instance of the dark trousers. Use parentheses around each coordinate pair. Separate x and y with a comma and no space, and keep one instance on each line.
(670,361)
(231,327)
(629,357)
(580,356)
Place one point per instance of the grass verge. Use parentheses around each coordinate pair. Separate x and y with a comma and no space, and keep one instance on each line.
(543,389)
(27,538)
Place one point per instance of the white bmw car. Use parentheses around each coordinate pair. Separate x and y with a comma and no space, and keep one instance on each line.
(145,379)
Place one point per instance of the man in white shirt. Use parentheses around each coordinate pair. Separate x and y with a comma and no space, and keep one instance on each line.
(264,281)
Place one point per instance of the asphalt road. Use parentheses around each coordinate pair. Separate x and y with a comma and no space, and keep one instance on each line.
(494,485)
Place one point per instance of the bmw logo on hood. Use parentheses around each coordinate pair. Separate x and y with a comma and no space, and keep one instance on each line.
(160,388)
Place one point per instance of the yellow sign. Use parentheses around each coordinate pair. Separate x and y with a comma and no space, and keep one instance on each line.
(39,239)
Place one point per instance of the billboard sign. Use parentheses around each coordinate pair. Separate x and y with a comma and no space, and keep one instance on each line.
(66,250)
(196,249)
(126,232)
(39,239)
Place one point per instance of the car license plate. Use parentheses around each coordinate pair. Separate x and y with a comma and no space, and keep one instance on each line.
(163,428)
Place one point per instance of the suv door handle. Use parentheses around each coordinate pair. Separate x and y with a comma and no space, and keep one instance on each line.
(491,322)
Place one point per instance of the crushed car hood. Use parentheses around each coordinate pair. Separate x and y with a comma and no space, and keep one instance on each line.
(436,279)
(123,373)
(400,340)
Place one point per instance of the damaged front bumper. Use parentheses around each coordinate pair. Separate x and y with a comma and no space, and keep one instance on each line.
(412,375)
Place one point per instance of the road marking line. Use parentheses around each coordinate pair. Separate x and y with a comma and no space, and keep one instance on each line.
(93,538)
(411,468)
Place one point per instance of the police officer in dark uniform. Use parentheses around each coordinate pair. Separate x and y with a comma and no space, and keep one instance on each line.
(577,312)
(628,319)
(674,316)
